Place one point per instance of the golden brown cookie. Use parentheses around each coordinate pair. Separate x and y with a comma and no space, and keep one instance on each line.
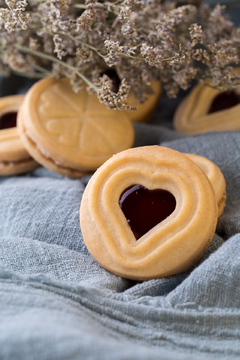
(215,176)
(148,212)
(145,111)
(71,133)
(14,158)
(206,109)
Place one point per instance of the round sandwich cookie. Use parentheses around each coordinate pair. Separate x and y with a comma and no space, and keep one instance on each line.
(148,212)
(71,133)
(14,158)
(206,109)
(216,178)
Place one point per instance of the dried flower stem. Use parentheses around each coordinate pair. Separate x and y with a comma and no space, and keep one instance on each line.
(53,59)
(226,88)
(102,55)
(77,41)
(42,70)
(211,86)
(97,6)
(30,75)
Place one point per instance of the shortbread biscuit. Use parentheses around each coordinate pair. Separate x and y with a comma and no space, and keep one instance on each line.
(145,111)
(14,158)
(215,176)
(125,243)
(71,133)
(192,116)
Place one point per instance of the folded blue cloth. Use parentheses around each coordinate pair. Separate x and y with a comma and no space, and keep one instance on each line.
(57,302)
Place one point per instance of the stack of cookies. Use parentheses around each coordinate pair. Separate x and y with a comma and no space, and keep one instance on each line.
(71,134)
(14,158)
(147,212)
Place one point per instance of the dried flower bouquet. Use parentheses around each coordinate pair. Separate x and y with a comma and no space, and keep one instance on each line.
(138,39)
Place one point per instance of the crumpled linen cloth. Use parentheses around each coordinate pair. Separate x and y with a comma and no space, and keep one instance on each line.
(58,303)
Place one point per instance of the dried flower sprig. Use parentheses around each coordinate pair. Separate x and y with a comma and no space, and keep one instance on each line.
(138,39)
(14,16)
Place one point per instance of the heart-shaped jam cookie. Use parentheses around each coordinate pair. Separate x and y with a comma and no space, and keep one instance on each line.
(148,212)
(14,158)
(206,109)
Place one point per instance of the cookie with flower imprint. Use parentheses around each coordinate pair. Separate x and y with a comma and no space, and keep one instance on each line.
(71,133)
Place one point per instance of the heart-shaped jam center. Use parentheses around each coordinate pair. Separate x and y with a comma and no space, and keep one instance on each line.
(144,208)
(8,120)
(224,100)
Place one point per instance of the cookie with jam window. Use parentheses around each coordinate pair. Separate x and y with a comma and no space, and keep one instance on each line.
(14,158)
(148,212)
(206,109)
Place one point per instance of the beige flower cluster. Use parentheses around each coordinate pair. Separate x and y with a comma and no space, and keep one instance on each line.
(136,39)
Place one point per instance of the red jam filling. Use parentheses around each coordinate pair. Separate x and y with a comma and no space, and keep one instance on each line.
(8,120)
(224,100)
(145,208)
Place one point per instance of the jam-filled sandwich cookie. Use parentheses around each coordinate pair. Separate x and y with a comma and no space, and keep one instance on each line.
(69,133)
(148,212)
(206,109)
(215,176)
(14,158)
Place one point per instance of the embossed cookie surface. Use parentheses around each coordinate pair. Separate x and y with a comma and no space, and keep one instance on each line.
(171,246)
(71,133)
(192,115)
(14,158)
